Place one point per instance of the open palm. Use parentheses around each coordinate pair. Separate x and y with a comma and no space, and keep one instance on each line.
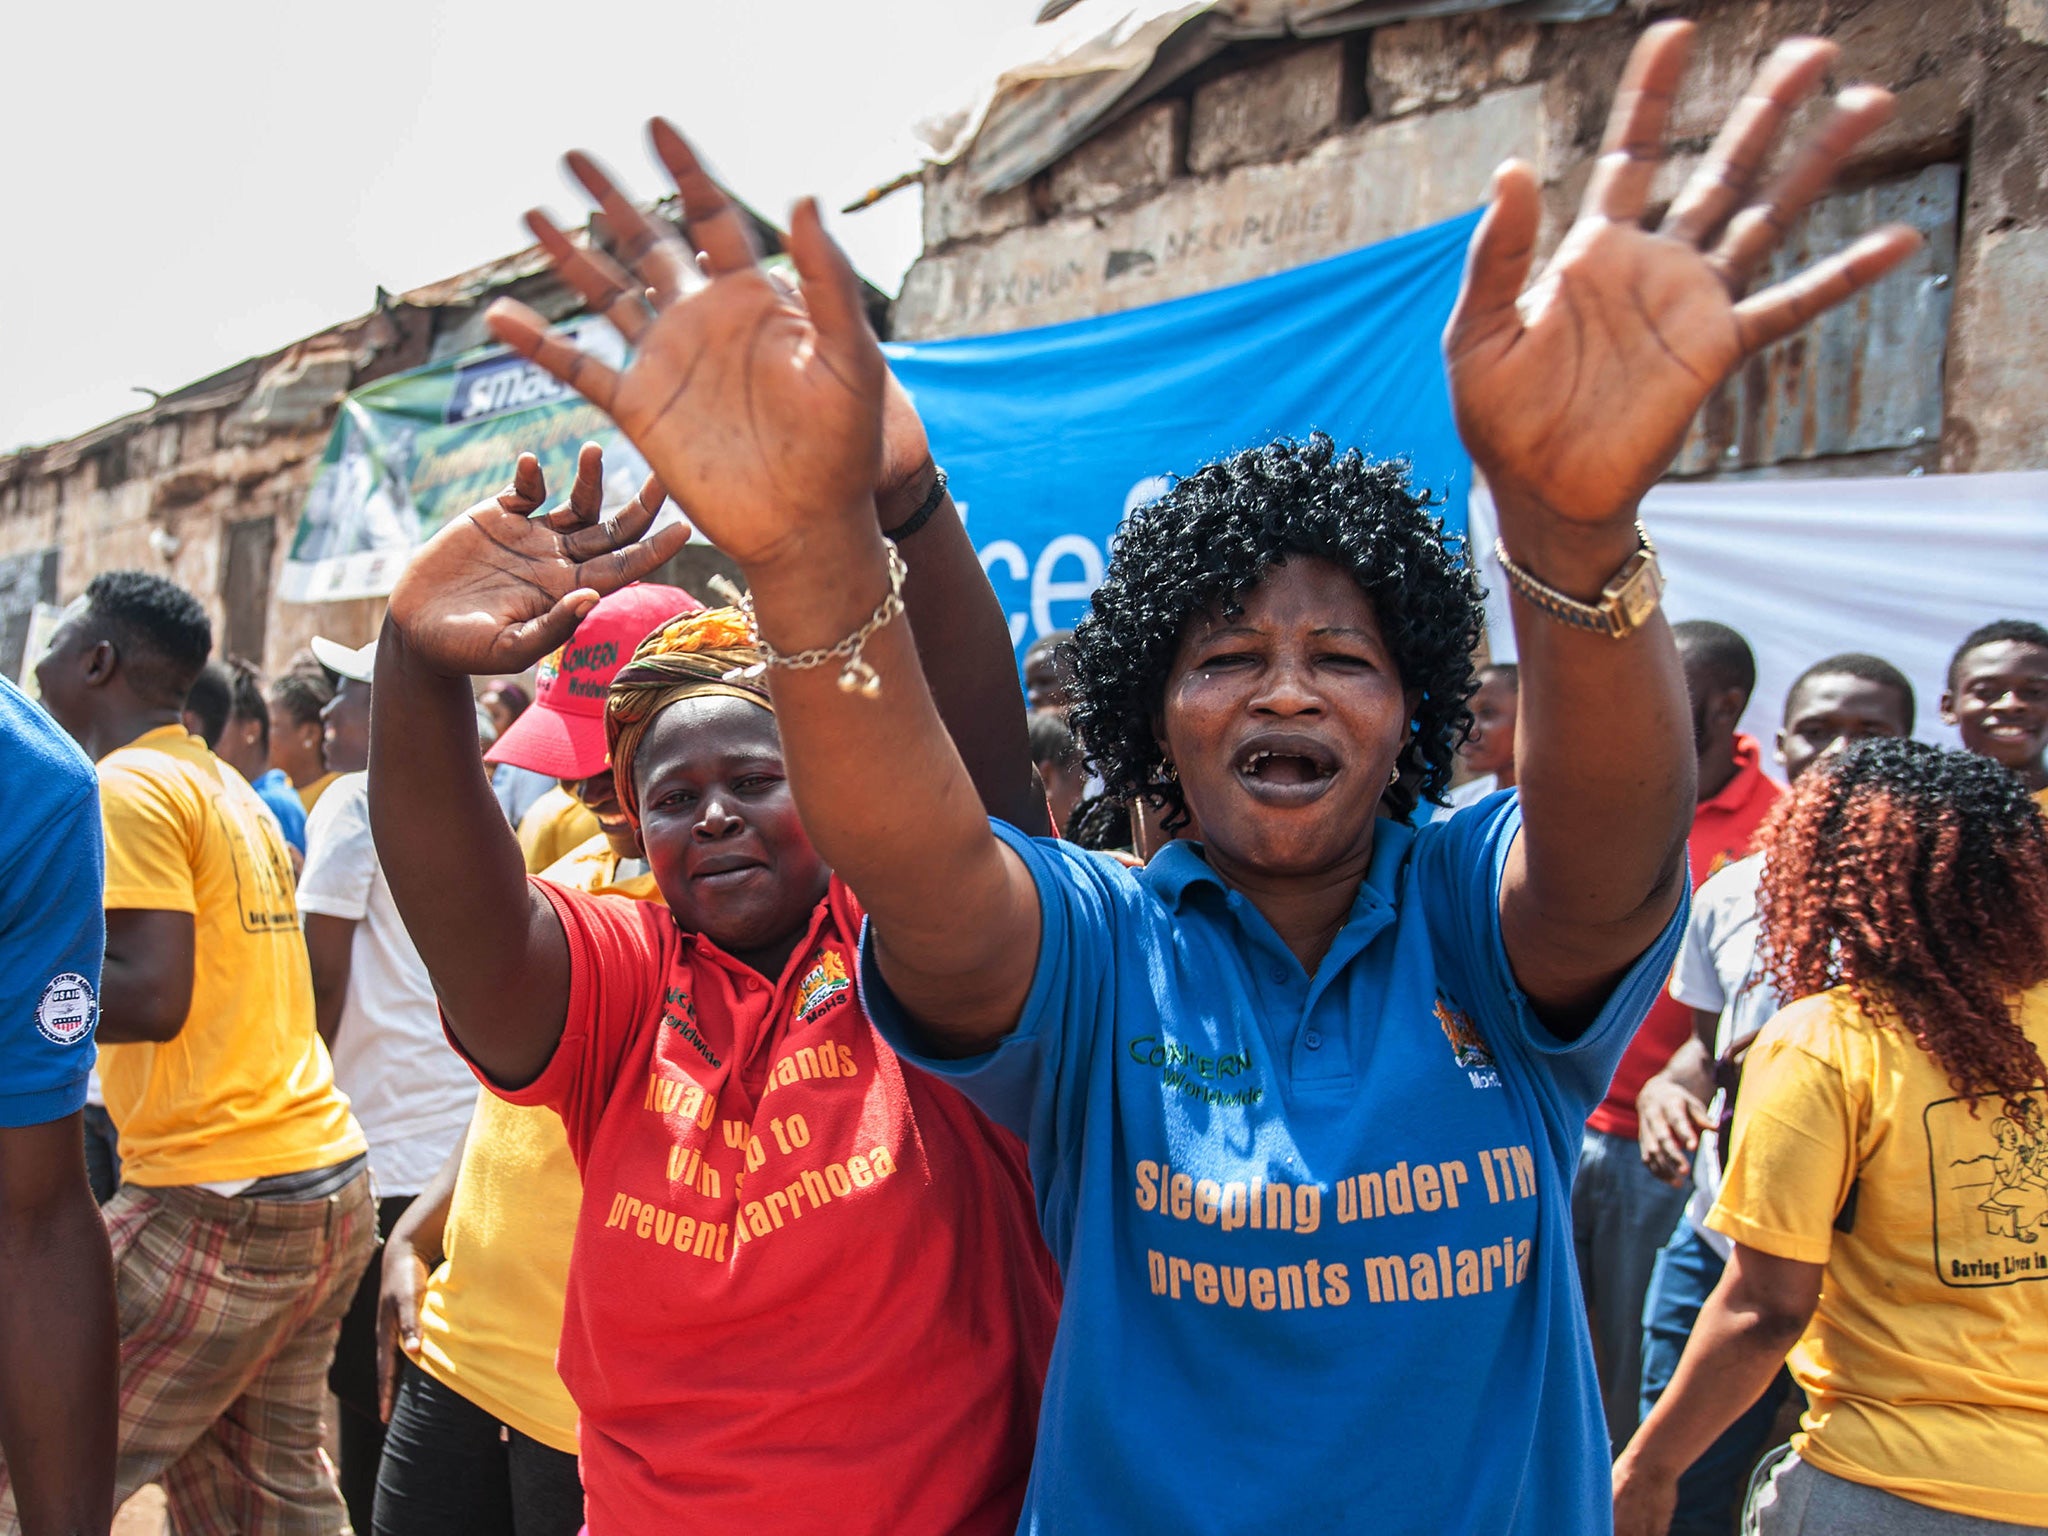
(1574,396)
(497,588)
(758,410)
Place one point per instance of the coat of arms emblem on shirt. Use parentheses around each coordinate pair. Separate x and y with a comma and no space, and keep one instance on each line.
(822,984)
(1468,1046)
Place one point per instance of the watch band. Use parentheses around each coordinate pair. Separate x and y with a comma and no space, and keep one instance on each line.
(1628,599)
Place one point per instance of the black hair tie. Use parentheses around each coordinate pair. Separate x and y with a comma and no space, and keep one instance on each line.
(923,514)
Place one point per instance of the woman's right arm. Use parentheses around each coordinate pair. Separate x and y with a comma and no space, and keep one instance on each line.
(412,1253)
(492,593)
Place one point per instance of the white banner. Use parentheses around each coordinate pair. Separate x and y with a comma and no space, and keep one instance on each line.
(1901,567)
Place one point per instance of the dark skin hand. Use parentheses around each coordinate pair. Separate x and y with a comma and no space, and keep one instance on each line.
(412,1252)
(495,591)
(57,1334)
(1573,398)
(1752,1319)
(1671,1110)
(146,986)
(330,947)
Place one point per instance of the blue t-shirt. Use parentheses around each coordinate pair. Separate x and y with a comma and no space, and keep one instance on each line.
(276,791)
(1316,1231)
(53,926)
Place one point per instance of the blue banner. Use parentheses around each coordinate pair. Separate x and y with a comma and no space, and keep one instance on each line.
(1051,435)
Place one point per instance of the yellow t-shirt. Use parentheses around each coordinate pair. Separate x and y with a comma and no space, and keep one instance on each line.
(492,1316)
(1926,1363)
(245,1089)
(2041,798)
(554,826)
(310,795)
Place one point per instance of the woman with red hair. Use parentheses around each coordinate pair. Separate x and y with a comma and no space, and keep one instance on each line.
(1888,1189)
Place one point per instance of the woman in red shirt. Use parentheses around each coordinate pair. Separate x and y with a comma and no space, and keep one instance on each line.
(808,1291)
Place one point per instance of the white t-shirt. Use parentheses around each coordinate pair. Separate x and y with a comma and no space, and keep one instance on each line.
(411,1093)
(1715,972)
(1471,792)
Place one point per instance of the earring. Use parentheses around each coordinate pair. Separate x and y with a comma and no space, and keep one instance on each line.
(1167,771)
(1394,777)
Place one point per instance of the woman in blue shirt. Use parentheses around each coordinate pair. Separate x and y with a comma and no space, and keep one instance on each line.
(1302,1097)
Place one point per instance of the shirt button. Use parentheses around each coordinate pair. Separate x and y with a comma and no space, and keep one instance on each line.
(1280,974)
(1312,1040)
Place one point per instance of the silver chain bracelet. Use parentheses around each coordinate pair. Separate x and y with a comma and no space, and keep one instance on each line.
(855,673)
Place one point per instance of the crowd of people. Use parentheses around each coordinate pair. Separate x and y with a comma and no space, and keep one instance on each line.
(1270,1068)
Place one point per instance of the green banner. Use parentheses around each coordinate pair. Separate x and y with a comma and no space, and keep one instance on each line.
(409,452)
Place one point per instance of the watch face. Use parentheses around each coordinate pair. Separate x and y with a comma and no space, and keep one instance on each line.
(1637,597)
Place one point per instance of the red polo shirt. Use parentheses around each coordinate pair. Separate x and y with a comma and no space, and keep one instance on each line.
(1723,830)
(808,1292)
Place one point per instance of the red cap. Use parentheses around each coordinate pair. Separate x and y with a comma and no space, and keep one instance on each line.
(562,731)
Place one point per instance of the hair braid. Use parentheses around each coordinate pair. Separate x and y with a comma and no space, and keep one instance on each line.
(1917,879)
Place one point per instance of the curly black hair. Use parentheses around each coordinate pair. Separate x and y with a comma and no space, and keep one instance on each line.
(1100,822)
(1213,537)
(160,631)
(1918,879)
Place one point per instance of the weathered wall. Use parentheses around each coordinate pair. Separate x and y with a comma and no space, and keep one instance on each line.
(161,490)
(205,485)
(1287,154)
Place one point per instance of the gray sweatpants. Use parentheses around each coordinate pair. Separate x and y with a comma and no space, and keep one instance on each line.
(1788,1497)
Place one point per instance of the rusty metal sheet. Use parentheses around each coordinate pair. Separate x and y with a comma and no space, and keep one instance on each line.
(1864,377)
(1098,60)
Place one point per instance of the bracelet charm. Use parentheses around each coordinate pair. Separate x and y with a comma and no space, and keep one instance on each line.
(855,675)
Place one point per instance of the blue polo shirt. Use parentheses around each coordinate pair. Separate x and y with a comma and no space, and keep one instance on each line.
(1316,1230)
(53,926)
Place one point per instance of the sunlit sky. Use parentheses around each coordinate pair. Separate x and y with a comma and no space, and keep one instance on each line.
(190,185)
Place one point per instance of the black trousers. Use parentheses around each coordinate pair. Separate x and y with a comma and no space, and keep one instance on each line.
(353,1378)
(451,1469)
(102,1156)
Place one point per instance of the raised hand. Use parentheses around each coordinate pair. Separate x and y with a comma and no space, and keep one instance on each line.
(498,588)
(760,414)
(1575,396)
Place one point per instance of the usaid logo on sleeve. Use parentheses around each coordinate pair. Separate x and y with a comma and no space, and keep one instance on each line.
(67,1010)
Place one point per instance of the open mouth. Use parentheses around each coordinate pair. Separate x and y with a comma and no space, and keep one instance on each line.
(1286,770)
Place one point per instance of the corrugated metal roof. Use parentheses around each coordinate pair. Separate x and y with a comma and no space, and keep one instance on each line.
(1093,61)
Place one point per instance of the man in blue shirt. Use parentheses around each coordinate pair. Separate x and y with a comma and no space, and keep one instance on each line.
(57,1332)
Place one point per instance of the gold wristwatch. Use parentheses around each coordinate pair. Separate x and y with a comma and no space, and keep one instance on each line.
(1628,599)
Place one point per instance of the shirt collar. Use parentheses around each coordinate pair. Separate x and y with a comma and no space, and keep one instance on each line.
(1749,760)
(1179,868)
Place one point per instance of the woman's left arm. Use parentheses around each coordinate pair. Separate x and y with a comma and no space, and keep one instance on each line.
(1573,398)
(1755,1315)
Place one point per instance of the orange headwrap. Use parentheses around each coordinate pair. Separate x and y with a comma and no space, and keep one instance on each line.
(689,657)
